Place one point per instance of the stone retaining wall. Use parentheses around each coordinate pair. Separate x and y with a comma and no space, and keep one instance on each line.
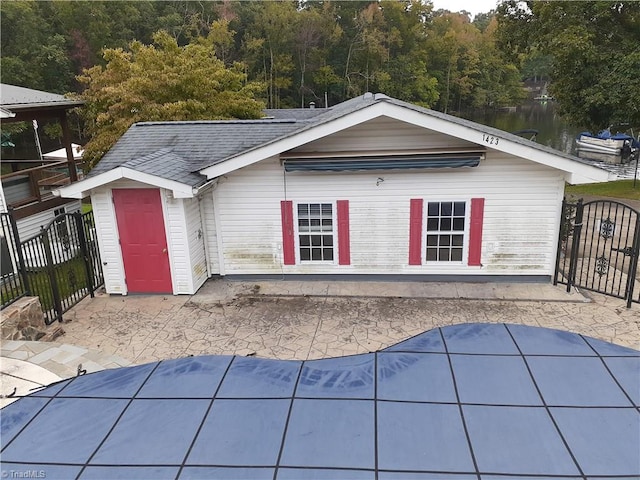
(24,320)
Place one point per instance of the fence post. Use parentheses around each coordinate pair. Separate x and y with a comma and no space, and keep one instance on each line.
(19,252)
(633,267)
(51,272)
(575,245)
(563,222)
(85,252)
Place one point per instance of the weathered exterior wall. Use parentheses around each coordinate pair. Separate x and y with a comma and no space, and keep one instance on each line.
(522,201)
(196,243)
(182,224)
(208,215)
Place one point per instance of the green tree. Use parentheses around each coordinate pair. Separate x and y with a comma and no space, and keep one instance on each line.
(161,82)
(32,53)
(595,71)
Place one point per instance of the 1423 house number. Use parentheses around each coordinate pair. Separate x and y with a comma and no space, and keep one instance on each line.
(490,139)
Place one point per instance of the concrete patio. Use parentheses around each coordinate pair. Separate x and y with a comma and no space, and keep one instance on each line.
(316,319)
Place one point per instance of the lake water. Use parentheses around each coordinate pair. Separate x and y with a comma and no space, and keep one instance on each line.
(553,131)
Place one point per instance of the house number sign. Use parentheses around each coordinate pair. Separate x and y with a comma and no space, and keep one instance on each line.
(490,139)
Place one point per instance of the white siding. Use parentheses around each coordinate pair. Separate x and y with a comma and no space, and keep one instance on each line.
(383,134)
(177,242)
(520,218)
(206,204)
(195,238)
(184,257)
(3,203)
(30,226)
(108,241)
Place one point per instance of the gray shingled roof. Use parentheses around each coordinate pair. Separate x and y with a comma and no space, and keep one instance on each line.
(166,164)
(195,144)
(16,98)
(179,150)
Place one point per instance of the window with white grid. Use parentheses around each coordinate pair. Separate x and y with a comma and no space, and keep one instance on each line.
(445,231)
(315,231)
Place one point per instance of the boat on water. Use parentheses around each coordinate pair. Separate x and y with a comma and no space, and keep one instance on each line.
(607,143)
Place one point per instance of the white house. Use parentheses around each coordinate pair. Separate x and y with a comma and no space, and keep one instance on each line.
(372,186)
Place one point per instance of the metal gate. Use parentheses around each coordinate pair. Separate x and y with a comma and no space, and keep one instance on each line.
(61,264)
(598,248)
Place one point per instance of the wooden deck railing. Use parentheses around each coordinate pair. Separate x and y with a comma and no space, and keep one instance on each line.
(34,184)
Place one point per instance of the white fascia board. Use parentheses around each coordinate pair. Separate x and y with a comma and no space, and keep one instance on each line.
(577,171)
(83,188)
(294,140)
(179,190)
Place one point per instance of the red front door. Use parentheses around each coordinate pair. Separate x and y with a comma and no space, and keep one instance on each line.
(143,240)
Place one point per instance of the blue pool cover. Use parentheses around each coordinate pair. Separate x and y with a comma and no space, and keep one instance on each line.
(472,401)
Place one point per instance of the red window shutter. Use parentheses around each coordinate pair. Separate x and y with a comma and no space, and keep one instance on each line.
(415,232)
(344,247)
(288,243)
(475,231)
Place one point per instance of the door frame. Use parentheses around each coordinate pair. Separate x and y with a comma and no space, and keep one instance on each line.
(163,201)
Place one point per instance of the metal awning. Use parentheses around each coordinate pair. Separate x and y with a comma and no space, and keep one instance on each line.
(387,162)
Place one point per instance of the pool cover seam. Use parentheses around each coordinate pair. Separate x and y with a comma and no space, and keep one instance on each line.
(346,469)
(286,423)
(460,410)
(544,402)
(104,439)
(610,373)
(204,418)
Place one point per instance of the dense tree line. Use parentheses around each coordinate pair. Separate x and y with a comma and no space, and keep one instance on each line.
(301,51)
(589,49)
(184,60)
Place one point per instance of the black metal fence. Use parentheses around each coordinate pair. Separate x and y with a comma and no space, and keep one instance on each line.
(61,264)
(13,281)
(598,248)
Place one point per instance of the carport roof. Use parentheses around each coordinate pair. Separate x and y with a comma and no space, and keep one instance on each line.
(18,99)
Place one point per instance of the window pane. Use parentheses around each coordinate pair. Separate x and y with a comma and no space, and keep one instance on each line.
(327,240)
(328,253)
(305,254)
(446,209)
(443,254)
(458,209)
(303,225)
(316,254)
(303,209)
(432,224)
(432,254)
(458,224)
(433,209)
(445,224)
(326,209)
(457,240)
(432,240)
(304,241)
(445,240)
(316,240)
(314,209)
(327,225)
(456,255)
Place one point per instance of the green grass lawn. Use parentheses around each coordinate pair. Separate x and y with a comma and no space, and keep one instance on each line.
(618,189)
